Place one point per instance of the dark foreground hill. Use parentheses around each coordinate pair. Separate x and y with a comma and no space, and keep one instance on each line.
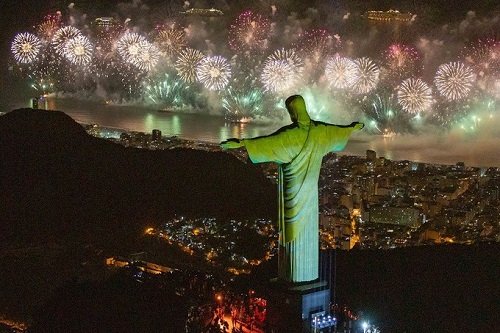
(57,181)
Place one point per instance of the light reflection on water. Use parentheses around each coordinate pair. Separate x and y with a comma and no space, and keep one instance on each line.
(204,127)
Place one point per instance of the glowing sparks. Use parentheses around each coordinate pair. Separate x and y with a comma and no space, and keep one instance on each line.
(366,75)
(401,60)
(250,31)
(340,72)
(49,26)
(281,71)
(454,80)
(26,47)
(414,95)
(186,64)
(169,92)
(136,50)
(78,50)
(213,72)
(242,104)
(277,76)
(317,44)
(62,35)
(129,46)
(170,41)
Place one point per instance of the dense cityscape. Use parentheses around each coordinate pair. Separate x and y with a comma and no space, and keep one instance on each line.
(365,201)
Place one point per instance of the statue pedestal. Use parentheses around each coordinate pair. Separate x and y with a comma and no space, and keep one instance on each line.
(292,307)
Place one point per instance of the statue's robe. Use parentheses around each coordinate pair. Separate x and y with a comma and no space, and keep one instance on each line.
(298,149)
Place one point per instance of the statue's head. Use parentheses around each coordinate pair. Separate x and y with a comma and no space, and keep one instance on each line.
(296,107)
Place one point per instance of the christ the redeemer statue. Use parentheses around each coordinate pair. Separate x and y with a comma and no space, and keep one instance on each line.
(298,149)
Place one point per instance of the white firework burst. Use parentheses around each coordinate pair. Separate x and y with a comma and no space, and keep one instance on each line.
(290,56)
(213,72)
(147,58)
(366,75)
(414,95)
(340,72)
(78,50)
(129,46)
(277,76)
(25,47)
(454,80)
(186,64)
(282,71)
(62,35)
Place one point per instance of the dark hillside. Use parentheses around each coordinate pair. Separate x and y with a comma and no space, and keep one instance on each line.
(57,180)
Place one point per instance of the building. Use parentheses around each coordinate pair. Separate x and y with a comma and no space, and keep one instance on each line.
(388,16)
(405,216)
(371,155)
(156,135)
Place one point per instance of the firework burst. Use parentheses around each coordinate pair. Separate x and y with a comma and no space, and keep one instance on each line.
(289,56)
(401,60)
(366,75)
(129,46)
(25,47)
(78,50)
(136,50)
(213,72)
(414,95)
(148,57)
(170,41)
(317,44)
(277,76)
(340,72)
(484,56)
(242,104)
(186,64)
(282,71)
(168,91)
(50,24)
(454,80)
(61,36)
(249,32)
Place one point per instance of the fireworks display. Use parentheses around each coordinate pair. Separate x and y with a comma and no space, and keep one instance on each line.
(454,80)
(242,104)
(213,72)
(401,60)
(250,31)
(168,91)
(186,64)
(62,35)
(366,75)
(290,57)
(49,26)
(147,58)
(78,50)
(340,72)
(268,58)
(25,47)
(317,44)
(170,41)
(281,71)
(129,47)
(414,95)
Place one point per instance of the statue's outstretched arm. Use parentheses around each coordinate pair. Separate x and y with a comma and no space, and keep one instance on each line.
(232,143)
(338,135)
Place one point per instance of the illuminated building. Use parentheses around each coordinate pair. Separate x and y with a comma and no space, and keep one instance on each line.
(203,12)
(388,16)
(104,22)
(156,135)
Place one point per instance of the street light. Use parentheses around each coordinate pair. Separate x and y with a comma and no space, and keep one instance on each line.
(365,326)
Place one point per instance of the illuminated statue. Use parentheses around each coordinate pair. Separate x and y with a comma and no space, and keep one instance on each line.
(298,149)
